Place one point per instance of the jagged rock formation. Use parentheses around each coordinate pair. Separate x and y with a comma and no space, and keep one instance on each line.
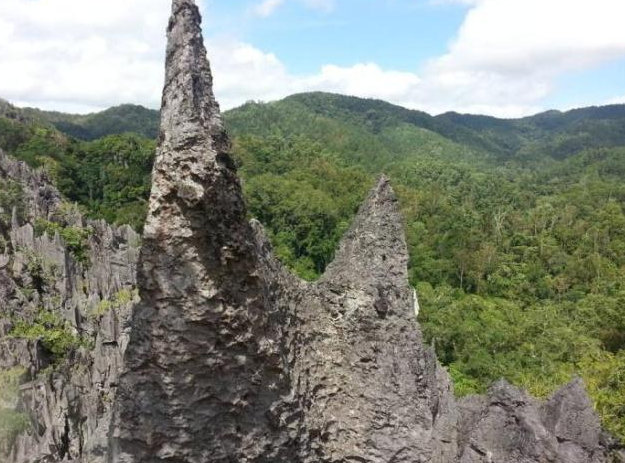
(227,357)
(509,426)
(67,401)
(231,359)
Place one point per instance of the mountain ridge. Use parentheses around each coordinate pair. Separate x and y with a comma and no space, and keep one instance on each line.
(119,119)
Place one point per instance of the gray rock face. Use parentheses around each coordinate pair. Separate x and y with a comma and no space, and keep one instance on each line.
(67,401)
(226,357)
(205,356)
(40,196)
(509,426)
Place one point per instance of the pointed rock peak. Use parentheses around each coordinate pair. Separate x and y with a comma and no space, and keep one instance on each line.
(570,415)
(373,252)
(177,4)
(195,187)
(189,113)
(575,388)
(572,396)
(503,392)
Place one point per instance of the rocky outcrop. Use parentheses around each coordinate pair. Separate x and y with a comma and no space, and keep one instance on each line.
(226,357)
(508,426)
(231,359)
(66,397)
(205,356)
(40,196)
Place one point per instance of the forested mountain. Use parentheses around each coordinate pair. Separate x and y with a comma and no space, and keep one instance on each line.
(516,227)
(117,120)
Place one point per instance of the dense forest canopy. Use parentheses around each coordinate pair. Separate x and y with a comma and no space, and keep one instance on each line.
(516,228)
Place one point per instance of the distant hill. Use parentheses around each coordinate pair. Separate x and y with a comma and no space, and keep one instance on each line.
(377,125)
(560,134)
(116,120)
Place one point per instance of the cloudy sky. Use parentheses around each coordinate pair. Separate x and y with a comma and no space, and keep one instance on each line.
(501,57)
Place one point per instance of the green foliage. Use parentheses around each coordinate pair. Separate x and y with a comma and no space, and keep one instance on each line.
(305,218)
(121,298)
(13,134)
(53,331)
(76,238)
(464,385)
(515,228)
(113,121)
(12,421)
(45,144)
(11,196)
(604,374)
(109,176)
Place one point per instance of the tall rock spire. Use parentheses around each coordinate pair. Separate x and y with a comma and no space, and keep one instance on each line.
(203,369)
(192,162)
(376,394)
(189,113)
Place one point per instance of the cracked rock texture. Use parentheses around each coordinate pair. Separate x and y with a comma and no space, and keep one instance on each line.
(225,357)
(68,401)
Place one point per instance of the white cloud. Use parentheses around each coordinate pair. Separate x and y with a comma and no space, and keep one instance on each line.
(366,80)
(82,54)
(268,7)
(514,36)
(615,100)
(244,73)
(510,52)
(505,59)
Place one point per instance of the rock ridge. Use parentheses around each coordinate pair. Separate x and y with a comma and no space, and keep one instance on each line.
(66,397)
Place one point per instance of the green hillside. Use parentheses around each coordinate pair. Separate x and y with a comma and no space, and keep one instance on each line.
(109,176)
(516,228)
(113,121)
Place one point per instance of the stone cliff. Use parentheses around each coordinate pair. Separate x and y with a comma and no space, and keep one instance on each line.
(224,356)
(63,320)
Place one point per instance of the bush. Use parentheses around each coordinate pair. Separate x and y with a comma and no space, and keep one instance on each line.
(11,196)
(54,333)
(12,422)
(75,237)
(604,374)
(123,297)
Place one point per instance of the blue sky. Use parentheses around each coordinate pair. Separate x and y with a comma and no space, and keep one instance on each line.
(396,34)
(502,57)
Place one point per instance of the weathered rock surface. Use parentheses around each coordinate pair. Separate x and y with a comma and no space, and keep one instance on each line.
(40,196)
(67,401)
(509,426)
(231,359)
